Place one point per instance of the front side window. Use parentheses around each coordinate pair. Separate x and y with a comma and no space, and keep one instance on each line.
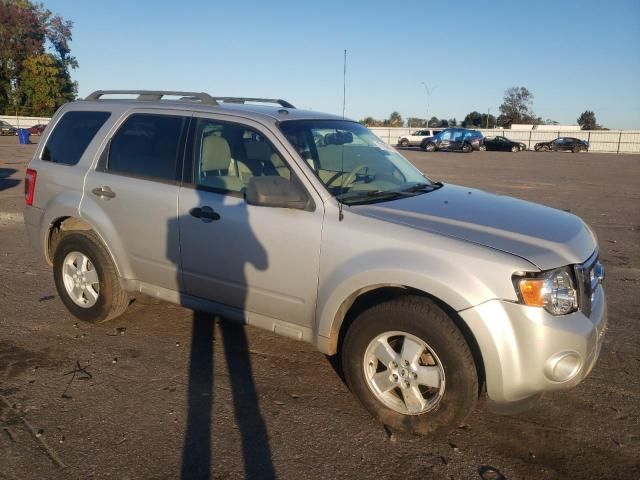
(147,145)
(226,156)
(72,135)
(352,163)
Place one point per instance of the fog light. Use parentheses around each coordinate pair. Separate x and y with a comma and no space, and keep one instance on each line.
(562,366)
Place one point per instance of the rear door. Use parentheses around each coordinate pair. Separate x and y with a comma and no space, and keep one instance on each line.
(134,191)
(457,139)
(261,260)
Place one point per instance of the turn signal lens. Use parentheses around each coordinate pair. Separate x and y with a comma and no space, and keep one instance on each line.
(553,290)
(531,290)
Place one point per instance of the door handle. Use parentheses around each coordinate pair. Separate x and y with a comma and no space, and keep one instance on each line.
(103,192)
(206,214)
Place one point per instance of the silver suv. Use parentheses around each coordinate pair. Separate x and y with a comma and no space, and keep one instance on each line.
(310,226)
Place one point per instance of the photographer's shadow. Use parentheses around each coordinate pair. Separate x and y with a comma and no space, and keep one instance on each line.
(198,461)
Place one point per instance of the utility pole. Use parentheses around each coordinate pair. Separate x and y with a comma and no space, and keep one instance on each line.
(429,92)
(488,113)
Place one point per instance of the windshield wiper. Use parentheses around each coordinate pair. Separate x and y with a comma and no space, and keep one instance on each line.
(372,194)
(423,187)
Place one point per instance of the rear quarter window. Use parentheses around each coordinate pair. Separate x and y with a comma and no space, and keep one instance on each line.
(72,135)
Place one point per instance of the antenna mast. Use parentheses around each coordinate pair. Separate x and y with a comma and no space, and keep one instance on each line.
(344,84)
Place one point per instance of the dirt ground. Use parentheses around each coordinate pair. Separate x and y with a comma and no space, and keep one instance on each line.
(162,392)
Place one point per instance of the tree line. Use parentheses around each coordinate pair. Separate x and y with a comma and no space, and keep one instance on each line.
(35,59)
(516,107)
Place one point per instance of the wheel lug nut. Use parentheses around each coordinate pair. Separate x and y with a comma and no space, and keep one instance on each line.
(414,375)
(393,365)
(405,363)
(406,384)
(395,377)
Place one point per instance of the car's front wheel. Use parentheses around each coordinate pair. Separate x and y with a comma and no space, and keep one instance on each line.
(429,147)
(483,148)
(410,366)
(404,142)
(466,148)
(515,149)
(86,278)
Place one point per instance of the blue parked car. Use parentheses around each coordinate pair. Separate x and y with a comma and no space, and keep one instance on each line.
(454,139)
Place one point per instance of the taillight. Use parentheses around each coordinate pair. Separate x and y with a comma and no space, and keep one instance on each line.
(29,186)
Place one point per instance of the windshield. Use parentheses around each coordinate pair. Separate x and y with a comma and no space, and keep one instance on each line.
(352,163)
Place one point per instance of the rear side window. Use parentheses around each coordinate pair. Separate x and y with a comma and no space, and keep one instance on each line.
(72,135)
(147,146)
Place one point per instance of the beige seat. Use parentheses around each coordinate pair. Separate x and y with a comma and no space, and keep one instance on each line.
(215,157)
(217,167)
(280,166)
(261,154)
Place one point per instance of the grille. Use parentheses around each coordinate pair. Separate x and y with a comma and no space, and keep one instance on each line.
(588,276)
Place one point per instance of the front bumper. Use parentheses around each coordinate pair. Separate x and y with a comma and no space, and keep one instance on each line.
(526,351)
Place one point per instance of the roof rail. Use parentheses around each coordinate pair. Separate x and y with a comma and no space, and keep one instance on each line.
(153,95)
(282,103)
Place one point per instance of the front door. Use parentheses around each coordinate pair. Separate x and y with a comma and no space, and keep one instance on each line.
(261,260)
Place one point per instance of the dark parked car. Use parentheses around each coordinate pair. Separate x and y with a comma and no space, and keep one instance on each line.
(7,129)
(502,144)
(37,129)
(453,139)
(563,144)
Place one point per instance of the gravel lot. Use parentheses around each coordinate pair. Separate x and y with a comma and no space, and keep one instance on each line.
(137,398)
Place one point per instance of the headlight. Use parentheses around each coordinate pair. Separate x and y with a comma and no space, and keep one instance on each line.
(553,290)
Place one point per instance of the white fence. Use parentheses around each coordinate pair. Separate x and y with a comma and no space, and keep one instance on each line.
(24,122)
(612,141)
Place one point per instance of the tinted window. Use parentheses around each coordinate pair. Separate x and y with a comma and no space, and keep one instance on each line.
(147,146)
(226,156)
(72,135)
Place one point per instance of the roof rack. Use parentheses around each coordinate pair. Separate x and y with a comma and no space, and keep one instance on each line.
(282,103)
(153,95)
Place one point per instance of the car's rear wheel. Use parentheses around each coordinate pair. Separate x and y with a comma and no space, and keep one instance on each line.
(466,148)
(576,149)
(483,148)
(404,142)
(515,148)
(410,366)
(86,278)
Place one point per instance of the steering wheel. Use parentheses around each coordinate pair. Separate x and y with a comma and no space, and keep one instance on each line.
(351,177)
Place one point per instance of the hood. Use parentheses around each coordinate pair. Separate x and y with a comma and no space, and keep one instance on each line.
(546,237)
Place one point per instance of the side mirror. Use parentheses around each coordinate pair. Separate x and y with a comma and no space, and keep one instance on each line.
(276,192)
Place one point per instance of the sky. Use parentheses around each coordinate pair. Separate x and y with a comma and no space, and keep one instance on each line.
(572,55)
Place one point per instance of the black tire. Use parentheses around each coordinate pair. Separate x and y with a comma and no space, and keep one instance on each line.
(428,147)
(466,148)
(544,149)
(404,143)
(482,148)
(421,317)
(112,299)
(576,149)
(515,149)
